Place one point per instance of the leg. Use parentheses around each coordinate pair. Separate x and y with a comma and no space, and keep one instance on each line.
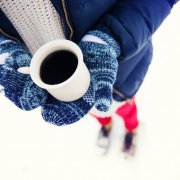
(129,114)
(105,119)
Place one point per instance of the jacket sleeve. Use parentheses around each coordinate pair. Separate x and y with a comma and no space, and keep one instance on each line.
(133,22)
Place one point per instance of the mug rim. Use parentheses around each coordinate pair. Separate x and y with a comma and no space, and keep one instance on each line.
(43,52)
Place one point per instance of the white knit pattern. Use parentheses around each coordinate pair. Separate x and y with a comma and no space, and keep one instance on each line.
(87,97)
(3,57)
(92,38)
(36,21)
(2,90)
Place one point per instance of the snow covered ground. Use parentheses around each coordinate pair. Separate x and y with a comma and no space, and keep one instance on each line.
(31,149)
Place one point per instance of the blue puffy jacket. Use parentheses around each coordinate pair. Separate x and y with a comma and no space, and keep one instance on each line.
(131,22)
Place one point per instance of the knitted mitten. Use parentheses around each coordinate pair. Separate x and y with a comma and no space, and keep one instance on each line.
(17,87)
(63,113)
(100,53)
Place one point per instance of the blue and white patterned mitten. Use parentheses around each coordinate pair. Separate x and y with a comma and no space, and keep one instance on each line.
(17,87)
(100,52)
(63,113)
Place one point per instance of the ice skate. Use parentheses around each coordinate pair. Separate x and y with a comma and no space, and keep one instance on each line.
(103,141)
(129,146)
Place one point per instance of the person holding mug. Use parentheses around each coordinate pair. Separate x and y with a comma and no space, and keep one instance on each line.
(114,37)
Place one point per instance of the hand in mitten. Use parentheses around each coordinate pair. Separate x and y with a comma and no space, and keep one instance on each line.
(100,52)
(17,87)
(63,113)
(100,57)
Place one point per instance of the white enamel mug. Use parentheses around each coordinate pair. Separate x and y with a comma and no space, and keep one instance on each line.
(71,89)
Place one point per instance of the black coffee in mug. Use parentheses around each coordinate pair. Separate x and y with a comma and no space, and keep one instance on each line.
(58,67)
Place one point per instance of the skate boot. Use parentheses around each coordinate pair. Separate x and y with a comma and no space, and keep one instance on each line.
(129,146)
(103,141)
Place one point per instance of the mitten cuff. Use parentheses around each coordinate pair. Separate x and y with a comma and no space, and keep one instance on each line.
(107,39)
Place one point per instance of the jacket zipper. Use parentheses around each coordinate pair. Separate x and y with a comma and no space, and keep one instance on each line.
(9,36)
(67,19)
(128,100)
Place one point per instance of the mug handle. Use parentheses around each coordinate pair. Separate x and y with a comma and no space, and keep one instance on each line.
(24,70)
